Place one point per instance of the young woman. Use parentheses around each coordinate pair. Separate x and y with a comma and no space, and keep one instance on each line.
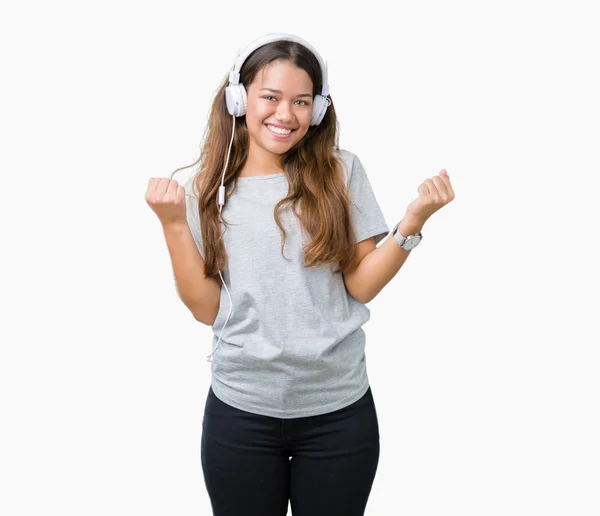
(292,223)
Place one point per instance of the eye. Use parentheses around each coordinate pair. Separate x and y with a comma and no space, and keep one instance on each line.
(272,97)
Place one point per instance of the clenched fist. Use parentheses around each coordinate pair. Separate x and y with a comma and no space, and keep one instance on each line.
(434,193)
(166,197)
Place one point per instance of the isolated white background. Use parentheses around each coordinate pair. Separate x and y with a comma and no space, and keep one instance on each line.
(482,352)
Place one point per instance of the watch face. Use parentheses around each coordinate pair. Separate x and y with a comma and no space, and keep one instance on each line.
(411,242)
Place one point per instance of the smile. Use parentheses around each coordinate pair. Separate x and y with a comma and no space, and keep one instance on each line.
(279,133)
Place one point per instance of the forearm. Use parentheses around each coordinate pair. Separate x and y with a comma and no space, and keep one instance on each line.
(378,267)
(201,294)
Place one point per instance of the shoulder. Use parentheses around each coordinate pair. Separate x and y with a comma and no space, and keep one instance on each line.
(347,158)
(189,184)
(191,200)
(191,188)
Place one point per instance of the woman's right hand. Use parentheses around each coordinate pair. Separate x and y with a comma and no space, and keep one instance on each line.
(166,197)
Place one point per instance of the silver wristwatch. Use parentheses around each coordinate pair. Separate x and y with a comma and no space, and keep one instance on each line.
(409,242)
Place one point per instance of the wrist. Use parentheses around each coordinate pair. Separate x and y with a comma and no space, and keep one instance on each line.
(175,226)
(410,225)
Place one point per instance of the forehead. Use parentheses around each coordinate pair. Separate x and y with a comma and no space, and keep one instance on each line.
(283,75)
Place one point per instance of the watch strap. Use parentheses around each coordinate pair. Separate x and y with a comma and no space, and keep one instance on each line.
(398,237)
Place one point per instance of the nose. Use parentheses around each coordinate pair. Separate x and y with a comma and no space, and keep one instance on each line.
(284,113)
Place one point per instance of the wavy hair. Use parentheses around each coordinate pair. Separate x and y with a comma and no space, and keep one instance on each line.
(317,190)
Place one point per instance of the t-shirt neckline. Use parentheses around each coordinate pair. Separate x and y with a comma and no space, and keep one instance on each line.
(276,175)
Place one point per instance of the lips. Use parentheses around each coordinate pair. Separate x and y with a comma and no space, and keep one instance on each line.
(278,135)
(282,127)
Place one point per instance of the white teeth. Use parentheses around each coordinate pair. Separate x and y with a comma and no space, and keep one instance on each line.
(278,130)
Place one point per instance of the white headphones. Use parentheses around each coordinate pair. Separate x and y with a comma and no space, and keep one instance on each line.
(235,93)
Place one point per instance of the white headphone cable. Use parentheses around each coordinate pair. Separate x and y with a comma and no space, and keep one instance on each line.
(221,202)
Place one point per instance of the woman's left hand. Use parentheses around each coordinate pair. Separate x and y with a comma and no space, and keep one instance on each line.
(433,194)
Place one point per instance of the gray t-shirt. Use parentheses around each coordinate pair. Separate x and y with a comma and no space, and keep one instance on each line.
(294,344)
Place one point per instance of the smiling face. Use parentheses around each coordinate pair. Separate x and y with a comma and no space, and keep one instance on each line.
(280,96)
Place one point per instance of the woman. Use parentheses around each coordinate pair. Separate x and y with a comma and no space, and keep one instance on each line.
(293,224)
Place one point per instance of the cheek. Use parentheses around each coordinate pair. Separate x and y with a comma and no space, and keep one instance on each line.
(253,118)
(307,116)
(258,110)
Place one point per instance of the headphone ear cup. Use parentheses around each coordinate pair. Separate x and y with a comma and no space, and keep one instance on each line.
(320,105)
(236,100)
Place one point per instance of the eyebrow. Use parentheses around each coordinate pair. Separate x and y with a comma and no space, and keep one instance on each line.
(277,91)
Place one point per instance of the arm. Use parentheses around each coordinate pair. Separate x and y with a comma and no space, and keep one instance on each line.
(198,292)
(376,266)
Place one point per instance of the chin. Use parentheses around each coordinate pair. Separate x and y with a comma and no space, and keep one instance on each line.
(278,149)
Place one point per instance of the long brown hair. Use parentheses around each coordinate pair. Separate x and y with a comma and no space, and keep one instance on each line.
(314,172)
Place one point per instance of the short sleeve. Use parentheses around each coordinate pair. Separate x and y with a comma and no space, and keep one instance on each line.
(193,219)
(366,215)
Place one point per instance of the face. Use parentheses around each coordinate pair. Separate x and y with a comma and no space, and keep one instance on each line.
(288,107)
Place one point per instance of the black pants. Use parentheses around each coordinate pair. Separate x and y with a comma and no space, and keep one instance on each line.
(248,471)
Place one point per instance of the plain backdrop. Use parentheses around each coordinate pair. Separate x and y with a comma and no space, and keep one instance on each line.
(482,352)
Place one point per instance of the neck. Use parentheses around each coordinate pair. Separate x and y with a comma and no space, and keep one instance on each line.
(261,162)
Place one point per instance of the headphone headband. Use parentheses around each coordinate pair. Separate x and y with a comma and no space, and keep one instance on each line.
(234,75)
